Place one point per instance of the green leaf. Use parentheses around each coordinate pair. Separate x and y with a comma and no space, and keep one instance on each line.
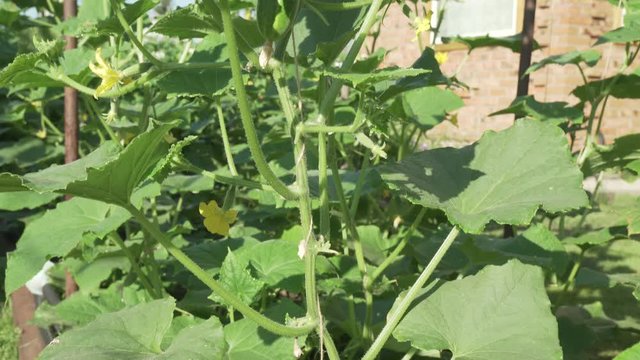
(90,273)
(624,150)
(75,61)
(536,246)
(428,114)
(82,308)
(375,76)
(631,353)
(278,265)
(266,13)
(505,177)
(556,113)
(594,238)
(185,23)
(56,233)
(213,48)
(131,12)
(235,277)
(587,277)
(178,183)
(10,182)
(106,174)
(501,313)
(28,152)
(137,333)
(375,246)
(13,201)
(630,32)
(426,61)
(9,13)
(622,87)
(22,63)
(246,341)
(322,33)
(589,57)
(514,42)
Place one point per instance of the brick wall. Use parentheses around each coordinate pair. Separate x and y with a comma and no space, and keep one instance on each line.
(491,73)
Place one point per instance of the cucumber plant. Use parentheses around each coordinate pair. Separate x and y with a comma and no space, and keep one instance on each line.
(251,185)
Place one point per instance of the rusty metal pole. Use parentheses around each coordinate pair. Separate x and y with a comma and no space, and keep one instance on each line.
(70,121)
(526,48)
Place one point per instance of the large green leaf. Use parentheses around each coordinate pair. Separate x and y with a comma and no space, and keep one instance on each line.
(505,177)
(201,81)
(501,313)
(631,353)
(553,112)
(137,333)
(589,57)
(58,232)
(278,265)
(107,174)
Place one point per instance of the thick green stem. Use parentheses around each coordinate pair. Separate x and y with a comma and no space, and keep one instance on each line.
(347,5)
(323,186)
(216,287)
(306,221)
(357,192)
(326,109)
(245,113)
(357,246)
(394,318)
(284,96)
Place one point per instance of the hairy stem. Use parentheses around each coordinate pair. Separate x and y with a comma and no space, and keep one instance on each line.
(394,318)
(215,286)
(245,114)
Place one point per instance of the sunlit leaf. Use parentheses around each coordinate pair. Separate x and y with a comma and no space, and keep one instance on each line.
(501,313)
(505,177)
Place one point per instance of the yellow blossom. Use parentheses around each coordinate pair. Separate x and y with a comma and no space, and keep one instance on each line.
(422,25)
(41,134)
(104,71)
(441,57)
(216,220)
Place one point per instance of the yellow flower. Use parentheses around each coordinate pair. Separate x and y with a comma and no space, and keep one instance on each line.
(104,71)
(41,134)
(216,220)
(441,57)
(422,25)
